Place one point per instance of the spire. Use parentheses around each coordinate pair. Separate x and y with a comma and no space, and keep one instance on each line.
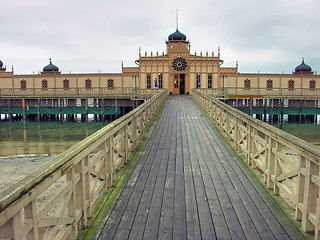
(177,20)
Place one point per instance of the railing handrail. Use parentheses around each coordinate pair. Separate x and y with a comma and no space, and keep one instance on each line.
(78,92)
(110,145)
(278,133)
(232,92)
(290,166)
(16,190)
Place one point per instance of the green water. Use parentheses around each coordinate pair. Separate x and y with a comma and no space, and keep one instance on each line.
(307,132)
(18,138)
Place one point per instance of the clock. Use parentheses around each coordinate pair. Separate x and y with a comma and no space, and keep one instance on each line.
(179,64)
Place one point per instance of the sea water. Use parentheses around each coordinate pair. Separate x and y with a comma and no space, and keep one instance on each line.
(306,131)
(23,138)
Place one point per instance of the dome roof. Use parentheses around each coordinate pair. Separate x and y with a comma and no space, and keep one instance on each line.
(50,67)
(1,64)
(303,67)
(177,36)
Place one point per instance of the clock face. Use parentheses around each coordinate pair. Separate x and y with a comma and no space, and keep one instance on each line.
(179,64)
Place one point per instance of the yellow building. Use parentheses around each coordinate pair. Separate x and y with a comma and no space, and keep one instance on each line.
(176,70)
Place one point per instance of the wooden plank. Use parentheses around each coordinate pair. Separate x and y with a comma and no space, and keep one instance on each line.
(262,200)
(205,219)
(153,220)
(166,218)
(138,180)
(140,220)
(242,215)
(188,184)
(234,199)
(109,231)
(217,215)
(179,212)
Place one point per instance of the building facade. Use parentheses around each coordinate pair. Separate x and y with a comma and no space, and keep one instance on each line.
(177,70)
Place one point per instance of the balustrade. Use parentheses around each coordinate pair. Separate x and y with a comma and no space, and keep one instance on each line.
(230,92)
(129,92)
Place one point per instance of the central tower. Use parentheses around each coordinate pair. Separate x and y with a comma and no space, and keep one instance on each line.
(178,50)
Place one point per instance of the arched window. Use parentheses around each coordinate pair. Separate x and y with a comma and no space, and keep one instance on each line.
(66,84)
(160,80)
(149,80)
(23,84)
(88,84)
(312,85)
(176,83)
(198,81)
(44,84)
(269,84)
(247,84)
(291,85)
(110,83)
(210,80)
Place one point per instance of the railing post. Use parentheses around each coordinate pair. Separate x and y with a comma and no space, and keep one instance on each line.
(72,205)
(81,192)
(249,142)
(277,167)
(266,176)
(110,161)
(307,193)
(236,133)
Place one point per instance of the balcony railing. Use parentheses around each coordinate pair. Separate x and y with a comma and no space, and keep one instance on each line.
(313,93)
(126,92)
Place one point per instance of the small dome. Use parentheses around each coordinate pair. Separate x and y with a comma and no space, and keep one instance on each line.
(303,67)
(51,67)
(1,64)
(177,36)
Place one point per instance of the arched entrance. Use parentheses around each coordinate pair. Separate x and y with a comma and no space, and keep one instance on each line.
(179,84)
(182,84)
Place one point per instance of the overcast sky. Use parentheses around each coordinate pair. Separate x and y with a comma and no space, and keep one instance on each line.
(86,36)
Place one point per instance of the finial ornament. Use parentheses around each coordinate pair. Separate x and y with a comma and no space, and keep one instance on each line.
(177,20)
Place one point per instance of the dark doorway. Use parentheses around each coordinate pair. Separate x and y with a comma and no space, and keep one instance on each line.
(182,84)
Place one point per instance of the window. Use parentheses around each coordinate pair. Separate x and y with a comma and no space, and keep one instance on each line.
(88,84)
(44,84)
(269,84)
(23,84)
(149,80)
(247,84)
(210,80)
(66,84)
(312,85)
(110,83)
(198,81)
(176,81)
(291,85)
(160,80)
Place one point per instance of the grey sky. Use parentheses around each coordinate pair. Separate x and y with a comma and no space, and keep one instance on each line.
(86,36)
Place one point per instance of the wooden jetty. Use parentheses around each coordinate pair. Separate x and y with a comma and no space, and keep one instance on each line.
(190,184)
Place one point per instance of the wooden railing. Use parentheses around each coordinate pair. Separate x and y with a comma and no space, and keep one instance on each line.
(290,166)
(126,92)
(262,92)
(72,181)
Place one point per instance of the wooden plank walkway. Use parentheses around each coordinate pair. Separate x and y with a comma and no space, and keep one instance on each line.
(189,184)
